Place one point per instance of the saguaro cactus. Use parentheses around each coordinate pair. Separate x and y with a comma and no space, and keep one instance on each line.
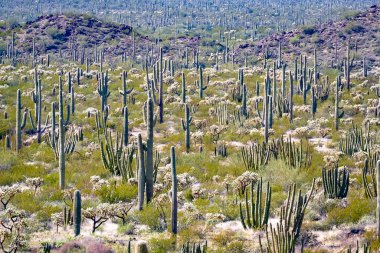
(378,200)
(151,121)
(20,121)
(183,95)
(77,214)
(103,90)
(125,126)
(141,173)
(159,101)
(125,91)
(201,87)
(174,206)
(186,127)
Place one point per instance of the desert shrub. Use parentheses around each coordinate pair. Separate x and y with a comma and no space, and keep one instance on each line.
(356,208)
(56,34)
(162,244)
(72,247)
(117,193)
(354,28)
(97,247)
(308,30)
(151,217)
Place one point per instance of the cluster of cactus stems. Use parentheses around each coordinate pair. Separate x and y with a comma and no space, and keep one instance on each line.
(186,127)
(335,182)
(257,155)
(356,139)
(257,215)
(366,248)
(146,164)
(283,237)
(221,150)
(194,247)
(369,181)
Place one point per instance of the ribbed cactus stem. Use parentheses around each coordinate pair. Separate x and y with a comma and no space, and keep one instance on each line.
(18,121)
(52,129)
(61,141)
(174,206)
(77,212)
(378,199)
(72,99)
(149,150)
(183,88)
(186,127)
(291,98)
(244,101)
(201,87)
(141,173)
(337,103)
(39,109)
(125,127)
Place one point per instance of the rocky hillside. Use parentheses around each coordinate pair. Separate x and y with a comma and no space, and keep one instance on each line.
(363,30)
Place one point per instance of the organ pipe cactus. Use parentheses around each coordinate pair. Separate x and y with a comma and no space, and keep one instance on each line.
(256,215)
(77,212)
(174,206)
(335,182)
(370,186)
(291,98)
(186,127)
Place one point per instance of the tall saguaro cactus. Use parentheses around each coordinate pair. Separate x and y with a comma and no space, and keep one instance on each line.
(141,173)
(174,206)
(149,149)
(20,121)
(201,87)
(159,101)
(77,212)
(186,127)
(61,140)
(378,199)
(125,91)
(183,95)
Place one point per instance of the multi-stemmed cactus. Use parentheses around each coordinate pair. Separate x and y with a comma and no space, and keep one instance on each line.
(254,208)
(370,185)
(283,237)
(335,182)
(186,127)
